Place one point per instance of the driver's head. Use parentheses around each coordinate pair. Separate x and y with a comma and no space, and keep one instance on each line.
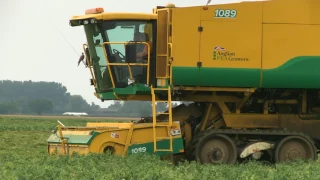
(139,37)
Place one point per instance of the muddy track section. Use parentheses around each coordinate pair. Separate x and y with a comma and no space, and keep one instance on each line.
(73,117)
(278,134)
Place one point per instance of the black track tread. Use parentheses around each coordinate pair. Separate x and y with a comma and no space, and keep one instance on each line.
(190,152)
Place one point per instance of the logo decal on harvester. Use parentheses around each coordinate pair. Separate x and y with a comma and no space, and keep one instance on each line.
(115,135)
(220,53)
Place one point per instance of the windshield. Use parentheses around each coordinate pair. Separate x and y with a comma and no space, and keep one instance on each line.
(125,31)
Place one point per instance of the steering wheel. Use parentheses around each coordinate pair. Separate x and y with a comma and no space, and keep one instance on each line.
(118,53)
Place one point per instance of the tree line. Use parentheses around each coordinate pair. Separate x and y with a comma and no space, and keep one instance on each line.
(135,108)
(28,97)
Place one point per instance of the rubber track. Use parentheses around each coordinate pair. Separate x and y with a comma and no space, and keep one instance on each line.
(190,153)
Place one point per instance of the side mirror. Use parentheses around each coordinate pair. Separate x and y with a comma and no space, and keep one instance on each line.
(88,54)
(131,51)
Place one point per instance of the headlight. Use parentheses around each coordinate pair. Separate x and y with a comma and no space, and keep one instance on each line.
(92,21)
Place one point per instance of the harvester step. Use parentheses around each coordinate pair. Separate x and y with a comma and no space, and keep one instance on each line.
(164,150)
(162,125)
(162,113)
(160,89)
(164,138)
(162,101)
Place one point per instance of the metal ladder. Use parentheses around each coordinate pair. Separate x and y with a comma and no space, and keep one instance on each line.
(168,124)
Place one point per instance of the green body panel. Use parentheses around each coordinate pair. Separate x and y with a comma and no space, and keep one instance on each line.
(162,144)
(73,139)
(124,92)
(186,76)
(230,77)
(226,77)
(299,72)
(107,96)
(132,89)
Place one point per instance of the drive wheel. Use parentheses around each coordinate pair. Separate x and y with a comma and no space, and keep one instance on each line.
(109,149)
(292,148)
(216,149)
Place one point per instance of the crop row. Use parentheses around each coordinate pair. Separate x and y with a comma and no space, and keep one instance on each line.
(23,155)
(40,124)
(145,167)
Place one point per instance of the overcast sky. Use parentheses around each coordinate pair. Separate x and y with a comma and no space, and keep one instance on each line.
(33,49)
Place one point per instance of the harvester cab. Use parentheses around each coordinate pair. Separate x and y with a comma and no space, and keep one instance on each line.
(119,52)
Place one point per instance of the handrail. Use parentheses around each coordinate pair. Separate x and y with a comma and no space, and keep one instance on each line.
(89,65)
(126,64)
(170,57)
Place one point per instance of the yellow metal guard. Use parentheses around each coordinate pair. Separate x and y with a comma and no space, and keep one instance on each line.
(169,61)
(126,64)
(63,141)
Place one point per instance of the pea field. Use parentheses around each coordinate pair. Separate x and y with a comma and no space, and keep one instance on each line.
(23,155)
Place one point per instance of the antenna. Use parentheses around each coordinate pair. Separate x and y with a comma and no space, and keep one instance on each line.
(58,29)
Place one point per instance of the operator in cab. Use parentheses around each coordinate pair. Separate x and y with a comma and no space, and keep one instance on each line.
(142,49)
(140,72)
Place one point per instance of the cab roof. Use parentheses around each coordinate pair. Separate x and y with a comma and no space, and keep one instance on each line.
(116,16)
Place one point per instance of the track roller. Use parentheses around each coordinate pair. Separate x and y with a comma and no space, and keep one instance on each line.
(216,149)
(292,148)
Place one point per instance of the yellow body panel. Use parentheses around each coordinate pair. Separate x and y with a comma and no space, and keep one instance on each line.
(121,138)
(240,51)
(240,36)
(185,37)
(257,31)
(247,12)
(67,149)
(282,42)
(117,16)
(190,46)
(290,28)
(105,138)
(76,132)
(265,45)
(141,134)
(291,11)
(87,16)
(111,125)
